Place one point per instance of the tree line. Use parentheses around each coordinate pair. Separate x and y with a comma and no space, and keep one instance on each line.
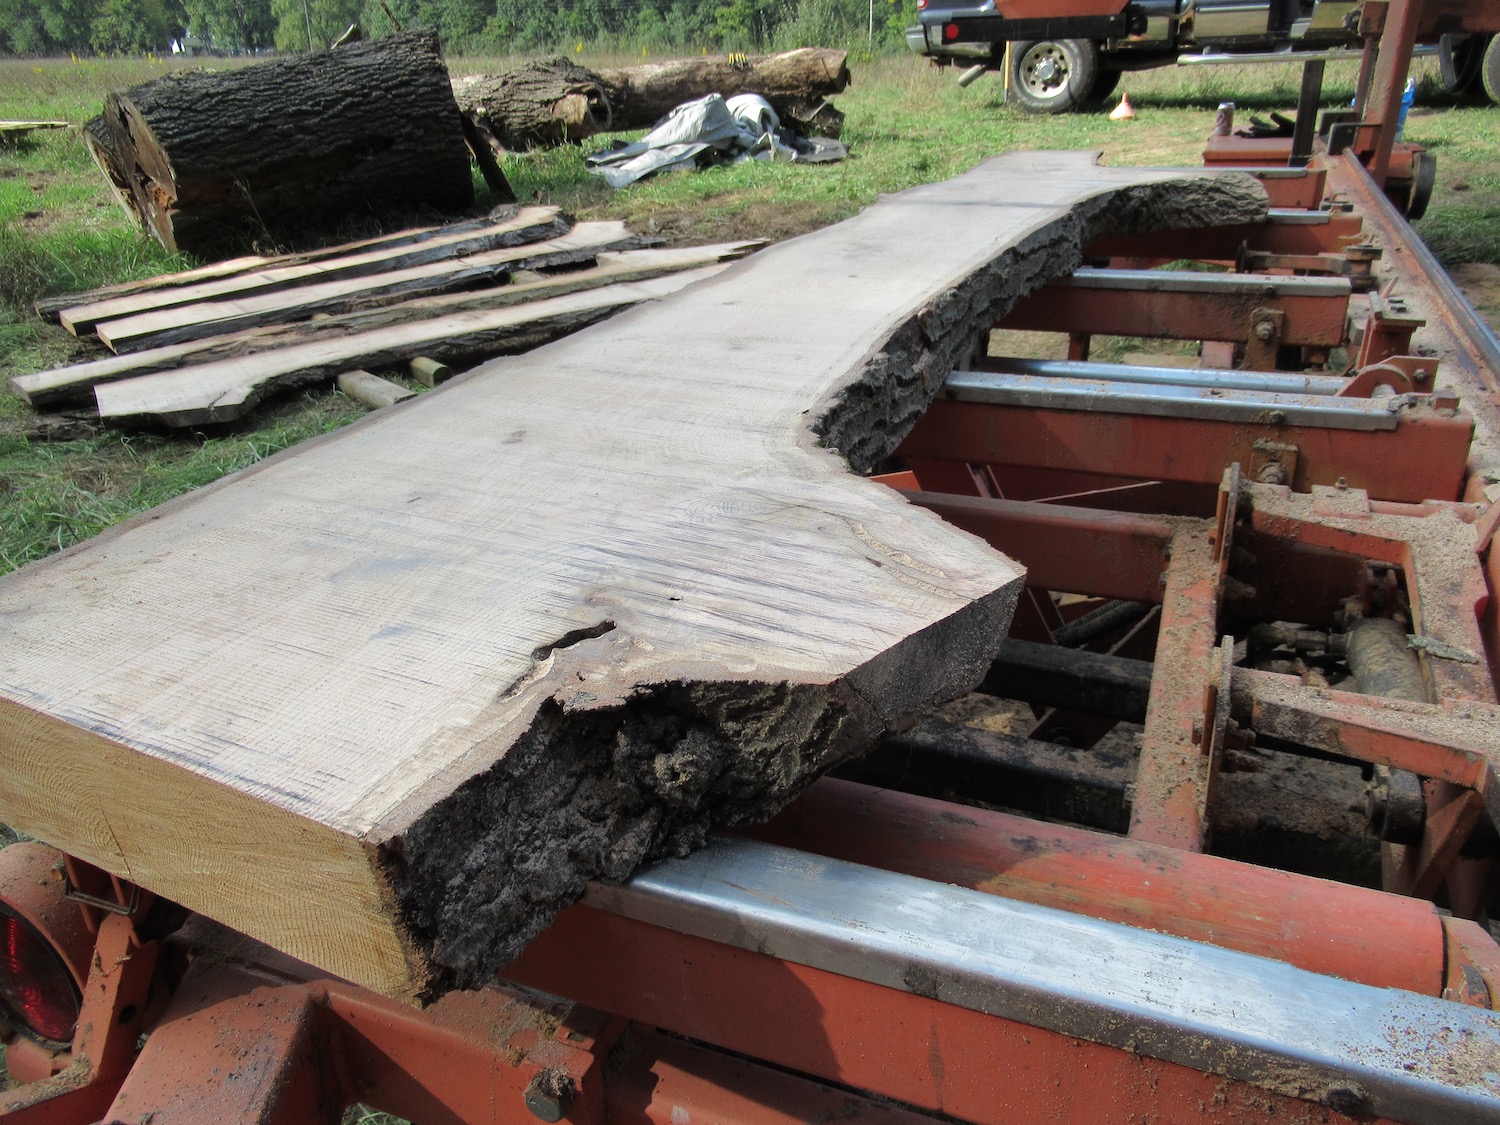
(124,27)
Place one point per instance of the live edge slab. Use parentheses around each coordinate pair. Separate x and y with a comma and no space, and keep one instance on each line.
(387,701)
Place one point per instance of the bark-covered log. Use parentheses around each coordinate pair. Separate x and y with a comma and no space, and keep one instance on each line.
(794,82)
(534,104)
(292,144)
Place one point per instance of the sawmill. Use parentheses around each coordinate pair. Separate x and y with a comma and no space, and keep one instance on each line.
(576,741)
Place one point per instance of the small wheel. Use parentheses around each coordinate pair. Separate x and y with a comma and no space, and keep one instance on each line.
(1489,70)
(1105,84)
(1053,75)
(1423,176)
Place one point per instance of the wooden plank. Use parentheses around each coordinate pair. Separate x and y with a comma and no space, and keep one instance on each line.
(212,318)
(50,307)
(209,393)
(372,390)
(388,700)
(528,225)
(75,382)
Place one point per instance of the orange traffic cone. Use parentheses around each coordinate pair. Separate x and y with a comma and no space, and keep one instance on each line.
(1124,111)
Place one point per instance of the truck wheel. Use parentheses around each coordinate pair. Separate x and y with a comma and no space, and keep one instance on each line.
(1460,58)
(1105,84)
(1489,72)
(1053,75)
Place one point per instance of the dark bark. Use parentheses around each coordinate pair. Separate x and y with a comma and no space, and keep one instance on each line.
(794,82)
(535,104)
(287,146)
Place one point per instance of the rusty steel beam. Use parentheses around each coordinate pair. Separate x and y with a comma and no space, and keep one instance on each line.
(1079,550)
(1423,458)
(1326,232)
(1185,307)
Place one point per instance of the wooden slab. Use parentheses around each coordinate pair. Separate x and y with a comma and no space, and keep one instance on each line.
(75,382)
(530,224)
(50,307)
(387,700)
(222,391)
(163,327)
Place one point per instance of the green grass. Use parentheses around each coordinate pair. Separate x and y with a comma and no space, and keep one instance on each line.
(907,123)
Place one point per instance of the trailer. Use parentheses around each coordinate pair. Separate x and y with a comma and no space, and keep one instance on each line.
(1277,564)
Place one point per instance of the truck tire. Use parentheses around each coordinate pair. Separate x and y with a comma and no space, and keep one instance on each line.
(1489,71)
(1460,58)
(1053,75)
(1105,84)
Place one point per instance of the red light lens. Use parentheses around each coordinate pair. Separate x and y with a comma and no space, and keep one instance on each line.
(36,989)
(921,5)
(950,31)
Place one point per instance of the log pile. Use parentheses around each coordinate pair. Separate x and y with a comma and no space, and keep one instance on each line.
(207,160)
(387,701)
(542,102)
(206,345)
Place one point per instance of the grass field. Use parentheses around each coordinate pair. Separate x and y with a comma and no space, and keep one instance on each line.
(907,123)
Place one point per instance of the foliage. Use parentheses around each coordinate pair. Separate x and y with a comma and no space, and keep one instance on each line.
(303,25)
(234,25)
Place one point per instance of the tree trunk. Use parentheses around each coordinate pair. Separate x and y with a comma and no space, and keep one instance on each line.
(292,144)
(549,101)
(795,83)
(535,104)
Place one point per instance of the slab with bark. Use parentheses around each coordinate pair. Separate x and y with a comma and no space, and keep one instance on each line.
(75,382)
(214,318)
(529,224)
(209,393)
(389,700)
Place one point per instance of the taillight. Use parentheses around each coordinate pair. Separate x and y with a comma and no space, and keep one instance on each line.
(36,989)
(921,5)
(950,31)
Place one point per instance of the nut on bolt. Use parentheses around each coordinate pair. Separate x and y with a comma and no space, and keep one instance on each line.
(548,1094)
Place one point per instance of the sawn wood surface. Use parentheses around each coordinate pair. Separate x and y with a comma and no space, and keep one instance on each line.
(388,700)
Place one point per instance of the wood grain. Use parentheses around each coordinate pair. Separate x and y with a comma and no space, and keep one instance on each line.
(75,382)
(527,225)
(387,700)
(221,391)
(180,324)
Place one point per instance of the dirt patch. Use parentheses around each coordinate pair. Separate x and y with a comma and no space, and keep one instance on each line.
(739,220)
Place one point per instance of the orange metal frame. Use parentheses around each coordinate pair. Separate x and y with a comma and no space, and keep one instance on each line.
(660,1026)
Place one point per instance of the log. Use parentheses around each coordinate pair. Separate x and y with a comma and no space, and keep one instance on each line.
(796,83)
(294,144)
(210,393)
(100,146)
(74,383)
(372,390)
(536,103)
(387,701)
(212,318)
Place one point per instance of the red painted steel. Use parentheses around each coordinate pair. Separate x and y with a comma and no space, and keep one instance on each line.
(1314,924)
(1424,458)
(1310,320)
(931,1055)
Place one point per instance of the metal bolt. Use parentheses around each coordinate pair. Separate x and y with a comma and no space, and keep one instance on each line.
(1273,472)
(1264,331)
(548,1094)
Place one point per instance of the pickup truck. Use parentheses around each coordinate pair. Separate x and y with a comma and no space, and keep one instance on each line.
(1064,55)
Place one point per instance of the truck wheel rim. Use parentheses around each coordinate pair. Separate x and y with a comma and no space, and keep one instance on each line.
(1044,70)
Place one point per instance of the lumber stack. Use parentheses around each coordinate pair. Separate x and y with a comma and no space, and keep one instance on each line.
(204,346)
(209,159)
(388,700)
